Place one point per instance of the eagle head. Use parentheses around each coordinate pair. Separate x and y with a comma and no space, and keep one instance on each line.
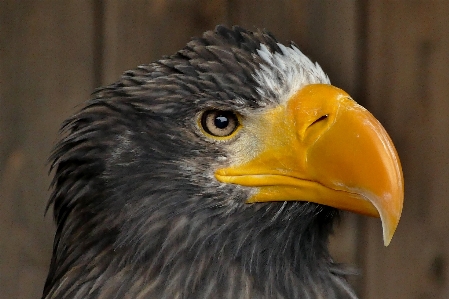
(216,172)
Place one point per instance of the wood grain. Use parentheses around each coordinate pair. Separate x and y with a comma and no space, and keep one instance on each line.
(392,56)
(408,43)
(138,32)
(45,70)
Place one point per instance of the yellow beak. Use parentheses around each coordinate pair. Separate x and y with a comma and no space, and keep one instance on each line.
(321,146)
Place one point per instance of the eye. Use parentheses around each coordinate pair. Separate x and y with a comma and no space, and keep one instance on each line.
(219,123)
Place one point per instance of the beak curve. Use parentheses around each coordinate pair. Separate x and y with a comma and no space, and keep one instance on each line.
(321,146)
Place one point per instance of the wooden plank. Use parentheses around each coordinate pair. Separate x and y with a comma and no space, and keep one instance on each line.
(146,30)
(407,75)
(327,32)
(140,31)
(46,68)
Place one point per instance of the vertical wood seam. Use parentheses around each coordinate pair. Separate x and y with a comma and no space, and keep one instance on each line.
(98,42)
(361,53)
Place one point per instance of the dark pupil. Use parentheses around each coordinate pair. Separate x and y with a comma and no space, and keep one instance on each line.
(221,122)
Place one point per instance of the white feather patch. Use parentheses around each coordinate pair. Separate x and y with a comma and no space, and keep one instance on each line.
(283,74)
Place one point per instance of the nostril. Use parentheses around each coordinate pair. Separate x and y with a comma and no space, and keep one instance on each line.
(324,117)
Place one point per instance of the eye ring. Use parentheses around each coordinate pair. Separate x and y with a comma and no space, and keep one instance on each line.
(219,123)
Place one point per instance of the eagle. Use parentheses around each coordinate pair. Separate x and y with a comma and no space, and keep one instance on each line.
(216,172)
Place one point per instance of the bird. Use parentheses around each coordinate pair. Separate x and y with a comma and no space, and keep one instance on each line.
(216,172)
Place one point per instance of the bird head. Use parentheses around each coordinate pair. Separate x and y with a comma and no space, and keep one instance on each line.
(234,151)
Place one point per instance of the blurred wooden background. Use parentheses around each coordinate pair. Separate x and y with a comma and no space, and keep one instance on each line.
(392,56)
